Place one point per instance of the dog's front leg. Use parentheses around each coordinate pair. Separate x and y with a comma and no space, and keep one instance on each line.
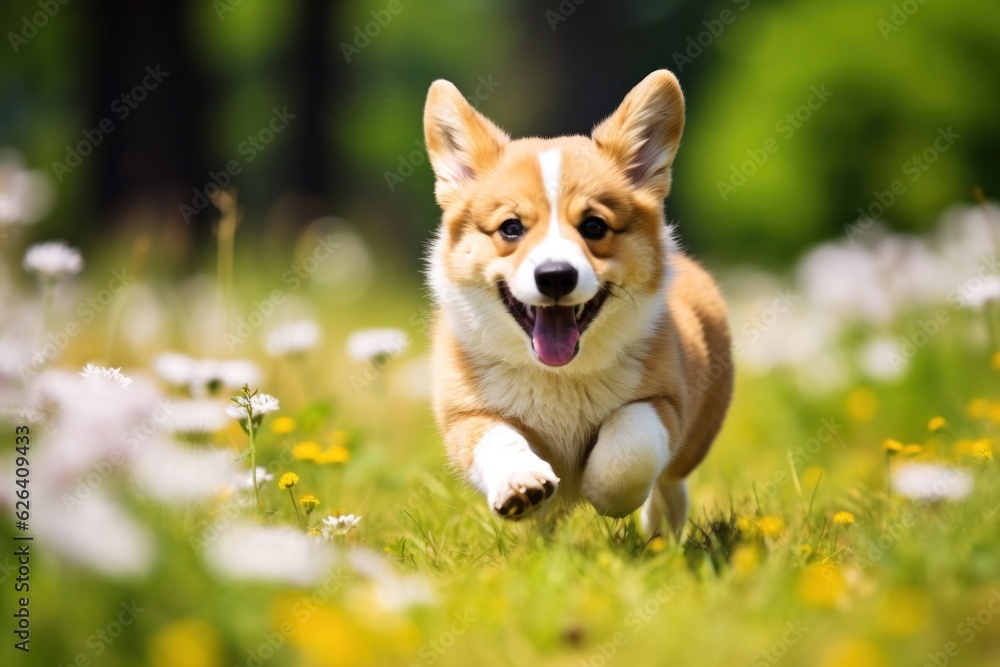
(499,462)
(632,449)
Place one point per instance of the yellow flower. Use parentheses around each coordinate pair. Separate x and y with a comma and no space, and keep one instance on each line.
(978,408)
(861,404)
(843,518)
(891,445)
(745,560)
(309,502)
(980,449)
(904,611)
(771,526)
(995,361)
(282,425)
(745,525)
(805,550)
(306,451)
(288,480)
(657,544)
(912,450)
(994,413)
(936,424)
(334,454)
(821,585)
(188,642)
(853,652)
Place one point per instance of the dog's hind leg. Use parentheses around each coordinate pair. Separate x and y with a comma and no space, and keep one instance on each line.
(669,499)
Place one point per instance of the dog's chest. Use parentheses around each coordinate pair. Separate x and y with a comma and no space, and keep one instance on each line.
(565,412)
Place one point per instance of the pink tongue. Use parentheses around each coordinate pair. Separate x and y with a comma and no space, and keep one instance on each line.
(555,334)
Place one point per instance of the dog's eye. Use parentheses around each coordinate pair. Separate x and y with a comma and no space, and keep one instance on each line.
(593,228)
(512,229)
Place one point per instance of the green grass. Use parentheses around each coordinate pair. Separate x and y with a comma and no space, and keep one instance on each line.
(763,575)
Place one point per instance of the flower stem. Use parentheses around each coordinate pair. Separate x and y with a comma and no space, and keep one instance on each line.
(298,514)
(253,458)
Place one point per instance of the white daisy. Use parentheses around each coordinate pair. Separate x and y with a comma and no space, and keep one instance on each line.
(102,373)
(931,481)
(244,481)
(25,196)
(369,344)
(197,416)
(292,338)
(53,260)
(176,369)
(267,553)
(338,526)
(979,294)
(259,404)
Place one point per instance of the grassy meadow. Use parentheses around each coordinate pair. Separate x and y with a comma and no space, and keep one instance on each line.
(803,547)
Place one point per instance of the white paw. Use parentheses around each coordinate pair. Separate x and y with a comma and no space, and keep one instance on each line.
(518,493)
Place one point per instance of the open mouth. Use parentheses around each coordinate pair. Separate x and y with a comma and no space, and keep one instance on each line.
(554,330)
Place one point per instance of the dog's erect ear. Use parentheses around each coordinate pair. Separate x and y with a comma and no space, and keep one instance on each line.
(643,133)
(461,142)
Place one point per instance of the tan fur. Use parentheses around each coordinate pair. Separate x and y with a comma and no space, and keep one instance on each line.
(660,338)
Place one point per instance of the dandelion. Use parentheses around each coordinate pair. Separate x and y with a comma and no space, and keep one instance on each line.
(978,408)
(843,518)
(282,426)
(977,449)
(936,424)
(805,550)
(377,344)
(250,409)
(771,526)
(53,260)
(891,445)
(288,481)
(861,404)
(657,544)
(309,502)
(334,454)
(292,338)
(912,450)
(339,526)
(745,560)
(931,482)
(306,451)
(821,585)
(105,376)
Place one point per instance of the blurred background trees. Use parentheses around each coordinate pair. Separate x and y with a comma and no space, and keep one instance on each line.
(354,75)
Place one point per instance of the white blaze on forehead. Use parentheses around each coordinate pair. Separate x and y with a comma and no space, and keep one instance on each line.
(551,163)
(554,248)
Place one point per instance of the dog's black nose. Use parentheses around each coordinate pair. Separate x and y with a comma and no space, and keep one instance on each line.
(555,279)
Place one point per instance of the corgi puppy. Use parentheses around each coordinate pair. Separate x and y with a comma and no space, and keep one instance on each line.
(578,353)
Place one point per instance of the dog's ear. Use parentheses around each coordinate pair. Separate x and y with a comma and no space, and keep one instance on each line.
(461,142)
(643,133)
